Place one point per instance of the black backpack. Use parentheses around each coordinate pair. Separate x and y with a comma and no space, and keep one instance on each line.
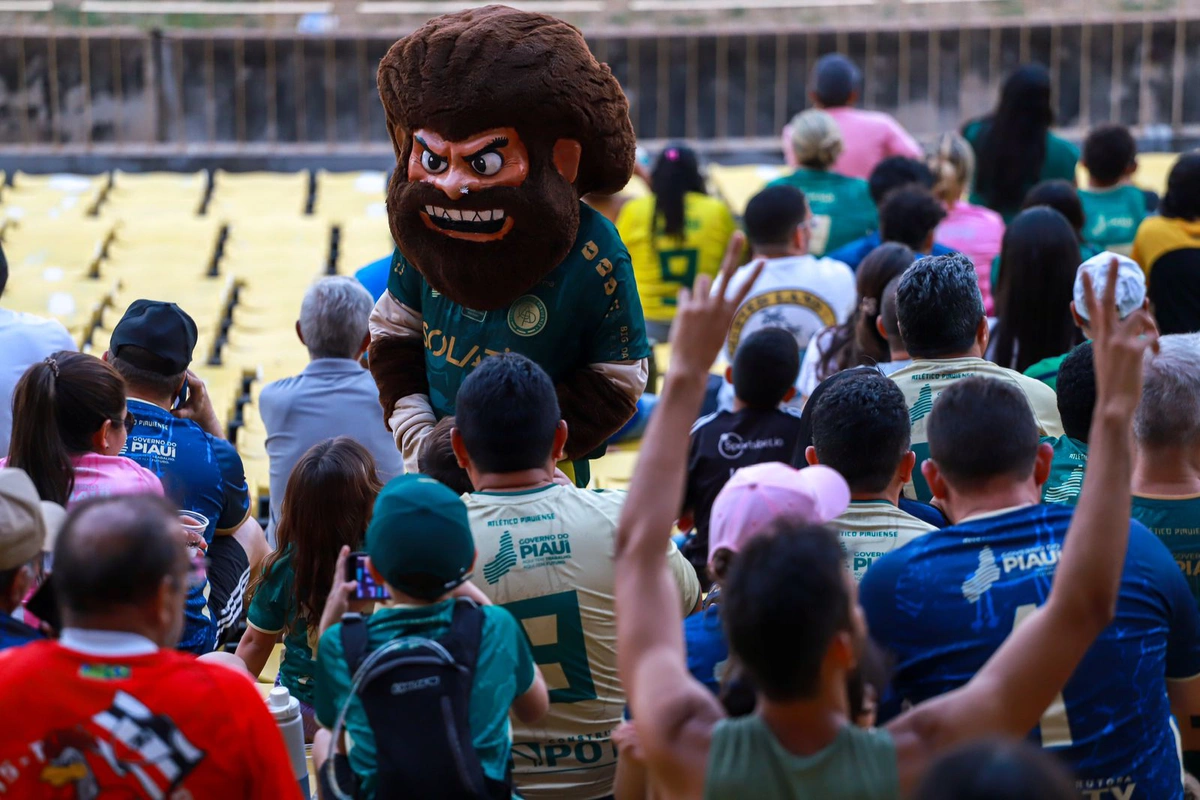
(417,696)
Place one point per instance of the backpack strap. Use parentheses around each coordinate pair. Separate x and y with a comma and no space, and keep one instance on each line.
(354,641)
(465,634)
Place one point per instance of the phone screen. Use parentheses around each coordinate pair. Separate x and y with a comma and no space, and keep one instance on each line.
(368,589)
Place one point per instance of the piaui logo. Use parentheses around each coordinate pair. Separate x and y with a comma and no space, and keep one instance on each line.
(505,560)
(977,584)
(923,405)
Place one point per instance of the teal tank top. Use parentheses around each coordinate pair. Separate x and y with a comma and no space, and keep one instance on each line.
(746,760)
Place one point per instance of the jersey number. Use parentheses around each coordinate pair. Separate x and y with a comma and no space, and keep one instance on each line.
(1055,727)
(678,267)
(555,632)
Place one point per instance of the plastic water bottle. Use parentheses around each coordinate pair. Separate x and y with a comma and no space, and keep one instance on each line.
(286,711)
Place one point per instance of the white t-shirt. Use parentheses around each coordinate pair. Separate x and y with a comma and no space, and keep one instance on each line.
(24,341)
(802,294)
(546,555)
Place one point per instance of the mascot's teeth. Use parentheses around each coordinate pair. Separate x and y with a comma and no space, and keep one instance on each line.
(455,215)
(429,210)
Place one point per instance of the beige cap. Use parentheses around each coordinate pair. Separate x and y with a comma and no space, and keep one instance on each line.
(28,526)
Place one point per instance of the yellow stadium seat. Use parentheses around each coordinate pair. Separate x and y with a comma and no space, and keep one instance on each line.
(736,185)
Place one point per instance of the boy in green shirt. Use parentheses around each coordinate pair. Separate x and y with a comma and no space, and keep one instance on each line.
(421,548)
(1112,206)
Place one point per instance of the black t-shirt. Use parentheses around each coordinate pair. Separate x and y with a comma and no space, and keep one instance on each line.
(729,440)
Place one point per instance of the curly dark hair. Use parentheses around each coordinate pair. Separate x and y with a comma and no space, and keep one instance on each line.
(496,67)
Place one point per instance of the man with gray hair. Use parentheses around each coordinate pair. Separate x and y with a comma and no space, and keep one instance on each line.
(1166,471)
(945,329)
(334,395)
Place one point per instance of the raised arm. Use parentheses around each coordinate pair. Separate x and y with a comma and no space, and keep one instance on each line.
(674,713)
(1023,677)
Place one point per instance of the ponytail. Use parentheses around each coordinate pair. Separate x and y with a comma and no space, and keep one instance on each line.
(676,174)
(58,405)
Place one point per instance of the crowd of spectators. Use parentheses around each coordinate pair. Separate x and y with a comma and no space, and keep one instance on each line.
(915,513)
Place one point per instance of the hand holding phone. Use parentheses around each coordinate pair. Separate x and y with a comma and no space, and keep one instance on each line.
(368,588)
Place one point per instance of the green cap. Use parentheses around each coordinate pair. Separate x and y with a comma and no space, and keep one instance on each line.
(420,530)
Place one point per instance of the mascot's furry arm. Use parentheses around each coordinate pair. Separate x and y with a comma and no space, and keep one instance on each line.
(397,356)
(597,400)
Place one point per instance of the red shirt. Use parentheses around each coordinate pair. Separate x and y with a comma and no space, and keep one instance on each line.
(161,725)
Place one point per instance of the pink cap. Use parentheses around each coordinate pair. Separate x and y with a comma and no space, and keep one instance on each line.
(758,495)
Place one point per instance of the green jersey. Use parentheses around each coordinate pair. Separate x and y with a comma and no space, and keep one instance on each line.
(1066,471)
(272,611)
(842,208)
(746,760)
(586,311)
(1176,523)
(1112,216)
(1060,162)
(503,672)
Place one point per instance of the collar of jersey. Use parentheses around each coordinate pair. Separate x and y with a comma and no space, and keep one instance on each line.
(520,492)
(106,643)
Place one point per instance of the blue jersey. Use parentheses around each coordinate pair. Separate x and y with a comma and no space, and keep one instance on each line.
(199,473)
(707,650)
(945,602)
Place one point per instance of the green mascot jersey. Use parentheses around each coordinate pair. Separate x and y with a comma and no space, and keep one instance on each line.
(586,311)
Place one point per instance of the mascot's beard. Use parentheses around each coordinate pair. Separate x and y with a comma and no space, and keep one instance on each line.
(492,274)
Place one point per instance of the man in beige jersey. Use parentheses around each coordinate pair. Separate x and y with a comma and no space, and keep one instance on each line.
(800,742)
(860,428)
(946,331)
(545,554)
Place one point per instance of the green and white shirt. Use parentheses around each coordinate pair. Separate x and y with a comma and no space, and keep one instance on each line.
(870,529)
(1066,472)
(924,380)
(273,611)
(842,208)
(1176,522)
(1112,216)
(546,555)
(586,311)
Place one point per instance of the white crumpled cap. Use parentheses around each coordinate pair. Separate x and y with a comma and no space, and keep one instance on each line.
(1131,282)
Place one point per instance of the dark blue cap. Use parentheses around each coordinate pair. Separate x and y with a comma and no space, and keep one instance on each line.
(835,78)
(164,332)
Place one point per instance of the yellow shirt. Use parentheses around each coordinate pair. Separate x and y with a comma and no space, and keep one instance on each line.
(1157,236)
(662,264)
(546,556)
(870,529)
(923,381)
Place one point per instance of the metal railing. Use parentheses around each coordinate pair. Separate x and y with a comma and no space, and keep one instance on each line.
(237,90)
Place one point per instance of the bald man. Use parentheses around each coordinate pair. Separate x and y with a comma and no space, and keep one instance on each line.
(109,707)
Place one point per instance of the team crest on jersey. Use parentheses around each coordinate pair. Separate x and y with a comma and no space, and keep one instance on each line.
(527,315)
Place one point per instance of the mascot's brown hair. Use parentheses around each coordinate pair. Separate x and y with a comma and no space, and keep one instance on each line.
(488,69)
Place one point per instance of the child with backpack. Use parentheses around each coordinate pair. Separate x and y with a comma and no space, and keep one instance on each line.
(424,685)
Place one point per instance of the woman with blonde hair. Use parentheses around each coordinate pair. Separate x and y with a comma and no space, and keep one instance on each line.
(842,208)
(972,230)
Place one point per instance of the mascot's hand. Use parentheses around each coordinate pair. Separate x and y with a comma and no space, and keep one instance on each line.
(594,409)
(398,366)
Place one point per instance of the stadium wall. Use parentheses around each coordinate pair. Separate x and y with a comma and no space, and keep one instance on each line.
(87,99)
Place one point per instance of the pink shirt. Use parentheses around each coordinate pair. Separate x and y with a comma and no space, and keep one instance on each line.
(868,137)
(977,233)
(98,475)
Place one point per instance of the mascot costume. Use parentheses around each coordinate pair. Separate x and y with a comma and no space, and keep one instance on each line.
(501,121)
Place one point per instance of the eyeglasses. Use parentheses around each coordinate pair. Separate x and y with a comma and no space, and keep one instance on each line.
(128,422)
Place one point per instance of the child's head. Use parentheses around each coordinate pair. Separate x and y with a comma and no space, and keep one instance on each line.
(436,458)
(952,162)
(765,368)
(1110,155)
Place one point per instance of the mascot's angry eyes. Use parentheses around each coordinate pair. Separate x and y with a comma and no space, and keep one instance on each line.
(465,171)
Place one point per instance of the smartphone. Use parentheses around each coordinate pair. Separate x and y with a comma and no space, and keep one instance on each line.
(181,398)
(368,589)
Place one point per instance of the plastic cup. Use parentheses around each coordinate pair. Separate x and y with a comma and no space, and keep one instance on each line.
(194,525)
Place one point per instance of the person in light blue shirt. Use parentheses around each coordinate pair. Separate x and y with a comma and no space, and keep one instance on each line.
(944,603)
(334,395)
